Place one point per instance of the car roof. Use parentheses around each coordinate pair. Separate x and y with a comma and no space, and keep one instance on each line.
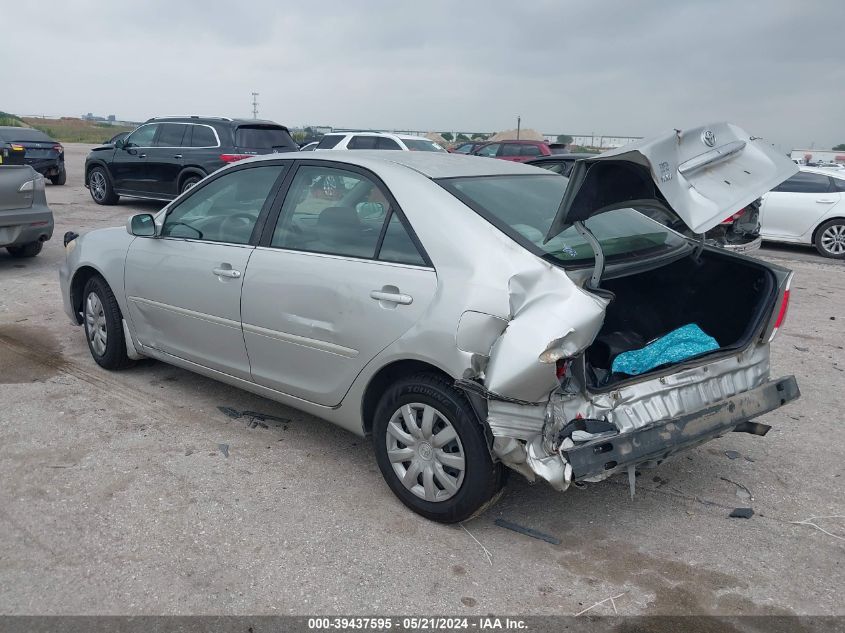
(410,137)
(430,164)
(822,171)
(212,119)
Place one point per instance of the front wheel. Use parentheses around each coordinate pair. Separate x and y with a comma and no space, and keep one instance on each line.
(30,249)
(104,325)
(101,188)
(432,451)
(830,239)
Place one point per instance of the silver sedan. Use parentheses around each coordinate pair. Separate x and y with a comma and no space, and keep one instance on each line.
(475,317)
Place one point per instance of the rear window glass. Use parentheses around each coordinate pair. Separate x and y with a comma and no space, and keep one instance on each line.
(422,145)
(362,142)
(25,134)
(263,137)
(329,141)
(523,207)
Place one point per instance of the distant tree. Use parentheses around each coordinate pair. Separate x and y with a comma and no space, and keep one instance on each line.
(839,148)
(447,136)
(462,137)
(478,136)
(565,139)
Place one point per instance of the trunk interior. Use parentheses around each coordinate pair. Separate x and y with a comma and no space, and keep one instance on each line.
(725,296)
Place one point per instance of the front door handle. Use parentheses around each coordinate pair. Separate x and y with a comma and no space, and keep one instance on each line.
(142,155)
(825,201)
(391,297)
(178,156)
(227,272)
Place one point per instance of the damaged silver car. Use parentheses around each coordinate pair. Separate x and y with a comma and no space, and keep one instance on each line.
(472,316)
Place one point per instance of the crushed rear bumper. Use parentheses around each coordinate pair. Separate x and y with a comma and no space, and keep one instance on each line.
(654,443)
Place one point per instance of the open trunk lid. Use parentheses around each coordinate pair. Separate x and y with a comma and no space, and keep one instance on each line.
(703,175)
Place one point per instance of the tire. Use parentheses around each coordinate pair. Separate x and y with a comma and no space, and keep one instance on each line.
(103,324)
(25,250)
(189,182)
(60,178)
(99,184)
(830,239)
(437,488)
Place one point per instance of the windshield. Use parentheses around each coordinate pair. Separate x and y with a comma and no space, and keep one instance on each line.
(524,207)
(25,135)
(263,137)
(422,145)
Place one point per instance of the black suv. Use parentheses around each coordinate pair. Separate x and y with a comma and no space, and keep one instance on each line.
(166,156)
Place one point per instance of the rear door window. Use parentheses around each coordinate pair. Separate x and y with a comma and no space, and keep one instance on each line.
(839,183)
(511,149)
(387,143)
(263,137)
(203,136)
(363,142)
(171,135)
(329,141)
(398,246)
(531,150)
(805,182)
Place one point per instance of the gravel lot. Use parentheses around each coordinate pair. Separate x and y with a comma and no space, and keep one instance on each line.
(115,497)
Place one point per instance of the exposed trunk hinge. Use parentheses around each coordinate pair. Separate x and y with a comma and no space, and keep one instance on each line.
(699,248)
(598,269)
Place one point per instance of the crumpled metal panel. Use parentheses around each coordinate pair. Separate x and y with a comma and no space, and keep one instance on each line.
(550,317)
(643,403)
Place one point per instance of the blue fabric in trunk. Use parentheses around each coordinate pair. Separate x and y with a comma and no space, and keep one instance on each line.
(676,346)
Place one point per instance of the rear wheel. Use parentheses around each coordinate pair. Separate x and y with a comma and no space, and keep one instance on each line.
(432,451)
(104,325)
(101,188)
(25,250)
(830,239)
(60,178)
(189,182)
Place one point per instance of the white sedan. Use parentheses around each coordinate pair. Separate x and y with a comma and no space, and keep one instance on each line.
(809,208)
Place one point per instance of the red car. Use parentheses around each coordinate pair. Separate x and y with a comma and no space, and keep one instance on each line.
(518,151)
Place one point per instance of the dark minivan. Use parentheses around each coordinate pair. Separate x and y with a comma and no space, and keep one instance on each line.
(166,156)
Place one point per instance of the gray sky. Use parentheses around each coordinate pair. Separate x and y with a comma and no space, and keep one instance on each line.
(774,67)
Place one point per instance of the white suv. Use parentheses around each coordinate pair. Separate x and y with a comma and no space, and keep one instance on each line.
(378,140)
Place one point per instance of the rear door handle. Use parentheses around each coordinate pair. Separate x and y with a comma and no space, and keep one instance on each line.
(142,155)
(178,156)
(227,272)
(391,297)
(825,201)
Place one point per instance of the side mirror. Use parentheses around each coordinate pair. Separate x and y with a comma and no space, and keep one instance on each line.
(120,143)
(141,225)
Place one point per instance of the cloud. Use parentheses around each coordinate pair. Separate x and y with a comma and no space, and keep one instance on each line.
(611,67)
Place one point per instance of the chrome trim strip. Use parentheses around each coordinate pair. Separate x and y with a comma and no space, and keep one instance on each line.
(302,341)
(349,258)
(712,157)
(208,318)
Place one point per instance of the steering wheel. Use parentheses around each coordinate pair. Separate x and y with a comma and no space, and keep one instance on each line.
(237,222)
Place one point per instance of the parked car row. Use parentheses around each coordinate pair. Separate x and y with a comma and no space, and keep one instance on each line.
(468,314)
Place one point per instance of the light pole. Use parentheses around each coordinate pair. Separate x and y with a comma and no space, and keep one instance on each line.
(518,125)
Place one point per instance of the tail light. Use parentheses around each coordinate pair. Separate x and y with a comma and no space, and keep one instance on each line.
(736,216)
(59,148)
(233,158)
(784,307)
(17,148)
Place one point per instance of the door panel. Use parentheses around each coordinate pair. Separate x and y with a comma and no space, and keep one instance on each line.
(790,215)
(184,299)
(312,322)
(129,164)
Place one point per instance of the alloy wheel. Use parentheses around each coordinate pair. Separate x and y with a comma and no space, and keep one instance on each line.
(95,322)
(425,452)
(833,239)
(98,185)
